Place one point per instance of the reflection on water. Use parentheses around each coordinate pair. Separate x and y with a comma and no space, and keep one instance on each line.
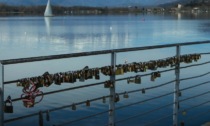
(48,24)
(56,35)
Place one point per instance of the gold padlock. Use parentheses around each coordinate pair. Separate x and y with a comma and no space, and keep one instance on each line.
(119,70)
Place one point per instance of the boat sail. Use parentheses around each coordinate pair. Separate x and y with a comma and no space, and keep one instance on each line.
(48,10)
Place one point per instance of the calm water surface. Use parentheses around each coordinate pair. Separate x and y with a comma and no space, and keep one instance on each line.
(57,35)
(22,37)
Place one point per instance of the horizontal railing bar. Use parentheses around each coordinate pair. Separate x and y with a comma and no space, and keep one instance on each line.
(21,117)
(157,120)
(62,56)
(194,96)
(125,78)
(207,82)
(198,115)
(86,117)
(199,64)
(195,76)
(55,109)
(139,102)
(205,53)
(66,89)
(145,113)
(187,109)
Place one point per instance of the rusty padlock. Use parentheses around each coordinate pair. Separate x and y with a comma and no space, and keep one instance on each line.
(88,103)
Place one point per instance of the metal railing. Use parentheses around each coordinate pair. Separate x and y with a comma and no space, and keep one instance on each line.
(112,89)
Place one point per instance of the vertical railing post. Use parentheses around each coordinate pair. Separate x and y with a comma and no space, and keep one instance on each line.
(1,95)
(112,91)
(176,88)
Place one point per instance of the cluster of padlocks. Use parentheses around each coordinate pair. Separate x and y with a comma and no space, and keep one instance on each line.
(31,85)
(89,73)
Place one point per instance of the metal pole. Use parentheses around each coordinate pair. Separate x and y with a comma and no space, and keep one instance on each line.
(1,95)
(176,88)
(112,91)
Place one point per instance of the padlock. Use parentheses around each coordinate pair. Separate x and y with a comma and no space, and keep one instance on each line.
(82,76)
(97,76)
(66,77)
(90,74)
(117,98)
(108,84)
(62,77)
(19,84)
(73,107)
(119,70)
(137,79)
(57,79)
(8,108)
(88,103)
(129,80)
(152,77)
(102,70)
(129,68)
(25,83)
(71,76)
(41,122)
(180,93)
(184,113)
(143,91)
(126,95)
(48,115)
(107,70)
(182,123)
(47,81)
(104,99)
(178,105)
(157,74)
(132,67)
(97,73)
(74,77)
(124,67)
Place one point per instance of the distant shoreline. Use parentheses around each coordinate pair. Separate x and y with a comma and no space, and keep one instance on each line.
(7,10)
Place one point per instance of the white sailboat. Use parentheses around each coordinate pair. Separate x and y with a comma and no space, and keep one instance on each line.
(48,10)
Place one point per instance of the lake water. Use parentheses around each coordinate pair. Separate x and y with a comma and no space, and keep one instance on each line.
(22,37)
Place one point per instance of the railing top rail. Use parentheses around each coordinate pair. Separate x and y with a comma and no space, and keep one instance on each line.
(62,56)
